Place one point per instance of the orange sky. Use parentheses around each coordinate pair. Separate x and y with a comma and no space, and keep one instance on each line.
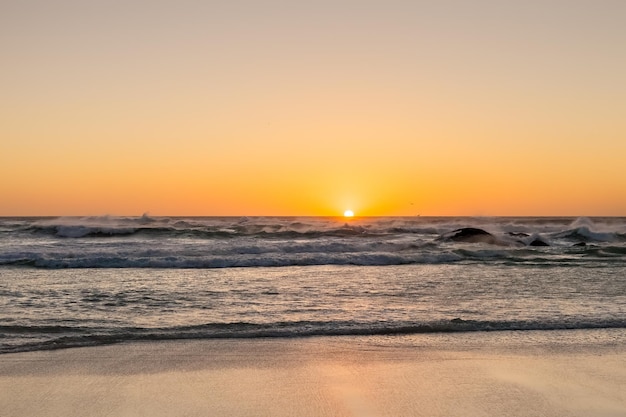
(281,108)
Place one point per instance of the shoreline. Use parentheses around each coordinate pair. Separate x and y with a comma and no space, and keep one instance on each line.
(536,373)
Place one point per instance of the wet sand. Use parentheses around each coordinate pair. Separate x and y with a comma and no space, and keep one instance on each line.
(341,376)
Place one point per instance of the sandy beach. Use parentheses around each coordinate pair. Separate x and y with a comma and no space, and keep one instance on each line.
(455,375)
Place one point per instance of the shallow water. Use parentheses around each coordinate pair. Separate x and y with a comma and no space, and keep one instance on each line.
(73,307)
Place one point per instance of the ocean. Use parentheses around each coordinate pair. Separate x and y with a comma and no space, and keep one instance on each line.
(88,281)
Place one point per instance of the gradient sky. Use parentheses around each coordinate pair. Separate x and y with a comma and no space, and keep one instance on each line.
(310,108)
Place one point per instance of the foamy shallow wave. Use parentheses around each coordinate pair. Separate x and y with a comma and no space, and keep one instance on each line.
(61,337)
(207,262)
(613,254)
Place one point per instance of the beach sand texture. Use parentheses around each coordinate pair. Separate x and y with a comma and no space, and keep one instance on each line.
(344,376)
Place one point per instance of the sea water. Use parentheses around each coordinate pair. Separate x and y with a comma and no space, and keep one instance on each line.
(68,282)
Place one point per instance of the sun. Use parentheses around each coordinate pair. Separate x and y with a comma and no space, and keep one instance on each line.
(348,213)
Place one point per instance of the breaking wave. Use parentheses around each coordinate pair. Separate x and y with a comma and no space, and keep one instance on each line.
(223,242)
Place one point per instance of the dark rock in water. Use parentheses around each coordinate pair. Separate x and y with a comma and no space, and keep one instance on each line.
(518,234)
(538,242)
(472,235)
(580,244)
(469,231)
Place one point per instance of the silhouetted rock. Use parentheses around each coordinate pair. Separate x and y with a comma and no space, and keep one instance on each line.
(471,235)
(580,244)
(538,242)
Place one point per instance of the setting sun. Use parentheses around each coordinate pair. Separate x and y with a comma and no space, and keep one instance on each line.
(348,213)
